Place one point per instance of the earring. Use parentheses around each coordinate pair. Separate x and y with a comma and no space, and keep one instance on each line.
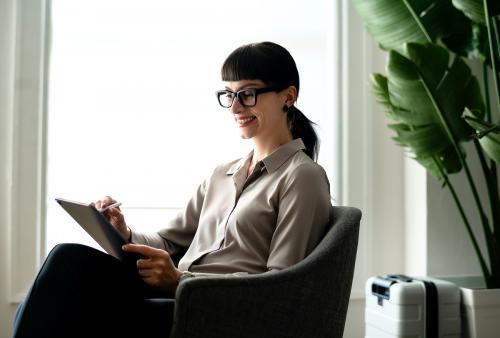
(286,108)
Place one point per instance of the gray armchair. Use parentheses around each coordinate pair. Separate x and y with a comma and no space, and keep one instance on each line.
(307,300)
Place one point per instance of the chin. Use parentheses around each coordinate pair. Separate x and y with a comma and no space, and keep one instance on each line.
(246,136)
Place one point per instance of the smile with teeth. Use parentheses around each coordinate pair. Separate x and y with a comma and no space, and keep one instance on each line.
(245,121)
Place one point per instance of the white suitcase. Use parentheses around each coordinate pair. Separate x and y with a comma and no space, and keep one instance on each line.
(401,306)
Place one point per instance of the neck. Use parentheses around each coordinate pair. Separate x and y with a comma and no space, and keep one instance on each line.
(264,148)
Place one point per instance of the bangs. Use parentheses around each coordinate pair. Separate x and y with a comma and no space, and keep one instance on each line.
(264,61)
(245,63)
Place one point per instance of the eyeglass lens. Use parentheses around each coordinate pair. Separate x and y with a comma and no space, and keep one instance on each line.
(245,97)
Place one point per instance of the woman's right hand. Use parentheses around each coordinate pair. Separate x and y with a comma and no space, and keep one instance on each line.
(114,216)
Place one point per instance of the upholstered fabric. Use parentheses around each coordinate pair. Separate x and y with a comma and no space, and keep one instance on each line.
(307,300)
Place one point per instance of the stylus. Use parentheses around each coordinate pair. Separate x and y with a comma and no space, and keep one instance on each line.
(114,205)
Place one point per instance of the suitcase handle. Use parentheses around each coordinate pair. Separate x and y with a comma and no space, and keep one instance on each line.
(381,286)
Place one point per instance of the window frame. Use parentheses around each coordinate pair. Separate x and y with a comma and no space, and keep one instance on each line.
(27,161)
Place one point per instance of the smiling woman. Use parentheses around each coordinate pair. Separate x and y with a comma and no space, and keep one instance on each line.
(261,213)
(131,107)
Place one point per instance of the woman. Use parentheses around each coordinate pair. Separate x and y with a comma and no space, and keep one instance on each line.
(266,211)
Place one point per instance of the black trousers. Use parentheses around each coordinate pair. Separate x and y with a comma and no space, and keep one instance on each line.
(83,292)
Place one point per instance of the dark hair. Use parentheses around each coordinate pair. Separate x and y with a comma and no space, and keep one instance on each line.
(272,64)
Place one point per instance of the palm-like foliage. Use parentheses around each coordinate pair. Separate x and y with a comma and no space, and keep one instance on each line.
(435,101)
(423,94)
(474,9)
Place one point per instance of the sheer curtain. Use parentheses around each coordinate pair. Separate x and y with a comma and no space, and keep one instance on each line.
(132,111)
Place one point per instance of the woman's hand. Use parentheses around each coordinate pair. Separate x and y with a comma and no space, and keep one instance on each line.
(156,267)
(114,216)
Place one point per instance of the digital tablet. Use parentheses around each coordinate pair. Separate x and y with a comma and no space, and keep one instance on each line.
(98,227)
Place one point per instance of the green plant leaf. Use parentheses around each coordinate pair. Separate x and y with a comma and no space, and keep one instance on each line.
(393,23)
(425,93)
(474,9)
(447,158)
(381,91)
(488,133)
(477,46)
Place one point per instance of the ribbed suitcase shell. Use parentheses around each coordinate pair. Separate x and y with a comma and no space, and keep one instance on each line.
(401,312)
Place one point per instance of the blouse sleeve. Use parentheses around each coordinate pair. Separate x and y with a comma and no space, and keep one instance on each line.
(180,231)
(302,216)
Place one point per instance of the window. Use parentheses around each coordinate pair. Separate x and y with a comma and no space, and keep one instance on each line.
(131,105)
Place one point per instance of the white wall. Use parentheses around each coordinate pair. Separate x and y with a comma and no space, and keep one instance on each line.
(355,321)
(447,237)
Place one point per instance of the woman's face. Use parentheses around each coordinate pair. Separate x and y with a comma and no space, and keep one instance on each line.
(266,118)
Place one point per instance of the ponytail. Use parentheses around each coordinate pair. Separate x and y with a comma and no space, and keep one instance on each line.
(301,127)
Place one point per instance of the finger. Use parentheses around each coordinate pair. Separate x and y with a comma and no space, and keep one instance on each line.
(144,250)
(98,204)
(115,212)
(119,221)
(107,201)
(145,264)
(146,273)
(152,278)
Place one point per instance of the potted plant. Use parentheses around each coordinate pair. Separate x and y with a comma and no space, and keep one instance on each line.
(436,104)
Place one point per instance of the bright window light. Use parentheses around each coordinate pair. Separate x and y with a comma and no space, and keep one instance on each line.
(132,110)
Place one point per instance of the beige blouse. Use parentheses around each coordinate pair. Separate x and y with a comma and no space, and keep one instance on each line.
(233,224)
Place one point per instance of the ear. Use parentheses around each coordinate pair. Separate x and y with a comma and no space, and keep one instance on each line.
(290,95)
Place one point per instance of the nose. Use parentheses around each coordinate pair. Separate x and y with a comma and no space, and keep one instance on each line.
(236,107)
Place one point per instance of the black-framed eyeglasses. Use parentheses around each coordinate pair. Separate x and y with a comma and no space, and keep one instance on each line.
(246,97)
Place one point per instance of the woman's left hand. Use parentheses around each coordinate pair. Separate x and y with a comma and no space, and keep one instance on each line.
(156,267)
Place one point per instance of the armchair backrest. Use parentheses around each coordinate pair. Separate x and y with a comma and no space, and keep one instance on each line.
(330,270)
(309,299)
